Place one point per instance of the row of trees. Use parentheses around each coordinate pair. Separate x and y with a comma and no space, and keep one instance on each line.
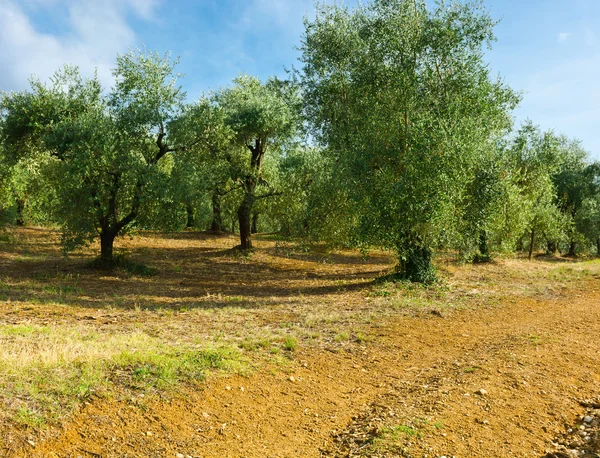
(393,133)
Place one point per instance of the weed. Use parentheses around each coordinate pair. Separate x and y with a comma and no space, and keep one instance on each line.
(342,337)
(361,337)
(535,339)
(471,369)
(290,343)
(28,417)
(255,344)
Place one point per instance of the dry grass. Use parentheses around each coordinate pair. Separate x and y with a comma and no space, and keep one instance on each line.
(68,331)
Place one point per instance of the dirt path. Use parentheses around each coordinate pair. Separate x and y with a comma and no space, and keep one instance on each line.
(500,381)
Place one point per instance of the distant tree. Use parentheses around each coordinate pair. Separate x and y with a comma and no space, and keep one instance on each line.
(483,208)
(402,99)
(575,182)
(536,158)
(109,150)
(587,220)
(202,172)
(263,117)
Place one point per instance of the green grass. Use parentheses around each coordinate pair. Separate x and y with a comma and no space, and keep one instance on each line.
(471,370)
(290,343)
(342,337)
(362,337)
(390,437)
(46,370)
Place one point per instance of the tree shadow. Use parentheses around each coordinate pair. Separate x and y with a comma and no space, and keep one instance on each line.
(187,275)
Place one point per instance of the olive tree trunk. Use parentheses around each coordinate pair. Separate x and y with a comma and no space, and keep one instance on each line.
(417,265)
(531,242)
(244,218)
(107,241)
(190,216)
(217,220)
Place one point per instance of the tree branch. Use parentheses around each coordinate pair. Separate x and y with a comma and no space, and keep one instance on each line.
(269,194)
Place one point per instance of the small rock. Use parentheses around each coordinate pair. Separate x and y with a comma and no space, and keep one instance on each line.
(481,392)
(180,455)
(149,434)
(292,378)
(588,419)
(31,443)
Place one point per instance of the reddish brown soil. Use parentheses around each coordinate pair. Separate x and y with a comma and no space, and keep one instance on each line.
(417,368)
(533,357)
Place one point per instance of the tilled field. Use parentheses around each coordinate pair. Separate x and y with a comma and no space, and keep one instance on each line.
(501,361)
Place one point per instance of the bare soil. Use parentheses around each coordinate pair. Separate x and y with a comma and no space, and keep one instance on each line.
(493,364)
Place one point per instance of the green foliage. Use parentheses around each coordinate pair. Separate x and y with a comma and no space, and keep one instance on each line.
(262,117)
(311,204)
(407,146)
(254,110)
(290,343)
(109,154)
(402,100)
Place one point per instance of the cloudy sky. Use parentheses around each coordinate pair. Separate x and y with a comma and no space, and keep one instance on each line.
(549,49)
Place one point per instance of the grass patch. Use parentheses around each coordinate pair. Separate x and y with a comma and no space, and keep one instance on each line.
(47,370)
(290,343)
(27,417)
(394,438)
(390,438)
(342,337)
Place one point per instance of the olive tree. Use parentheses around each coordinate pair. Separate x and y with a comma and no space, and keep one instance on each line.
(402,99)
(263,117)
(109,149)
(576,183)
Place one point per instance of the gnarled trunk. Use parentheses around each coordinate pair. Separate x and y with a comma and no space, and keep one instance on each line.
(572,249)
(20,221)
(552,247)
(417,266)
(531,241)
(484,250)
(107,241)
(250,183)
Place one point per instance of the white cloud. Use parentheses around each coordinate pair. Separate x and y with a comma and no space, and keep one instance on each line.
(563,36)
(92,33)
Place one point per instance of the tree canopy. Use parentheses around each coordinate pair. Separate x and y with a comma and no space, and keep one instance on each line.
(401,96)
(393,134)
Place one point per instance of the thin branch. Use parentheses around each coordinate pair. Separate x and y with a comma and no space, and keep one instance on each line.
(269,194)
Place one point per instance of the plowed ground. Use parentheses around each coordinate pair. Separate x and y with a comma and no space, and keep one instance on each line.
(492,363)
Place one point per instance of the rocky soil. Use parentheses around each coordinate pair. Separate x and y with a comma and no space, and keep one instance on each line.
(583,439)
(469,384)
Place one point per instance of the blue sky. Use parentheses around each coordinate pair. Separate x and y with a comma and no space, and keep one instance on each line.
(549,49)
